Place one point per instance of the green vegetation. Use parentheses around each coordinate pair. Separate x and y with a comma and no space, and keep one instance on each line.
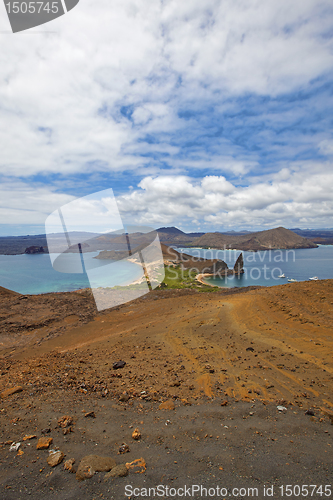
(177,278)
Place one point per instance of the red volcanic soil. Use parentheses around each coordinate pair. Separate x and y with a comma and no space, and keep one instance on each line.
(223,361)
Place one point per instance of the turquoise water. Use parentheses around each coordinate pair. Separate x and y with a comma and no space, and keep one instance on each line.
(263,268)
(32,274)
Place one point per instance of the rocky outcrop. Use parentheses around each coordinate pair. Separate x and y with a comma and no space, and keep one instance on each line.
(238,267)
(34,249)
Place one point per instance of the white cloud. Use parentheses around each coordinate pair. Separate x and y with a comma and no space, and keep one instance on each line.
(135,52)
(326,147)
(166,200)
(62,93)
(21,203)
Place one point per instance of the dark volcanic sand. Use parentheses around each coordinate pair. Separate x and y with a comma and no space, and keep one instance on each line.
(183,346)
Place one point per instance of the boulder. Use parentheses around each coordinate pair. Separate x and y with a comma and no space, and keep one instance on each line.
(93,463)
(118,471)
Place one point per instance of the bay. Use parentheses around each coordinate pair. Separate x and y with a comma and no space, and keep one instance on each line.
(34,274)
(263,268)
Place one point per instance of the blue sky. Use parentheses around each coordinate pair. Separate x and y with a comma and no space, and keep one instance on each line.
(211,116)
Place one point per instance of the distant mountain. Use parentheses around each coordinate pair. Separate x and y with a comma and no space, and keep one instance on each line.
(174,236)
(279,238)
(321,236)
(170,230)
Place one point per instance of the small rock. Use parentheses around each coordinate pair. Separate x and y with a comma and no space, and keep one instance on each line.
(186,402)
(281,408)
(250,349)
(167,405)
(9,392)
(68,465)
(136,434)
(14,446)
(124,398)
(118,364)
(85,472)
(90,414)
(67,430)
(224,403)
(138,466)
(309,412)
(44,443)
(124,448)
(47,430)
(55,457)
(29,436)
(65,421)
(118,471)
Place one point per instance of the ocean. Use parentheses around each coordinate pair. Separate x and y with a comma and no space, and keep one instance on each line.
(263,268)
(33,274)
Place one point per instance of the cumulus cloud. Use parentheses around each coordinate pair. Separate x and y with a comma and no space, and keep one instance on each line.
(220,90)
(221,205)
(62,93)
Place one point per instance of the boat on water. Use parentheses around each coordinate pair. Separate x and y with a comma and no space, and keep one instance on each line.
(282,275)
(292,279)
(314,278)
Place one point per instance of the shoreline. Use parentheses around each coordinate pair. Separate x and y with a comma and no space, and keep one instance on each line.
(200,277)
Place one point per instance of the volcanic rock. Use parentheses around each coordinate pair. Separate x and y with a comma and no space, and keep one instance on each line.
(119,364)
(44,443)
(93,463)
(239,264)
(68,465)
(55,458)
(167,405)
(136,434)
(34,249)
(65,421)
(124,448)
(118,471)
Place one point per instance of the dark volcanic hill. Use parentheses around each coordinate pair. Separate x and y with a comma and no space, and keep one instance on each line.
(279,238)
(174,236)
(171,236)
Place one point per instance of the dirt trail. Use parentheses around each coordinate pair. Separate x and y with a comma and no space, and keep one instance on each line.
(271,344)
(226,360)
